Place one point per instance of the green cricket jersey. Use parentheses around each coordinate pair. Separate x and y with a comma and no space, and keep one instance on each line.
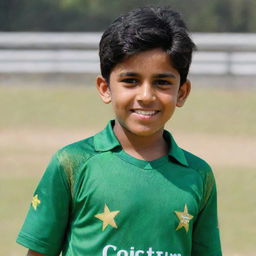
(96,200)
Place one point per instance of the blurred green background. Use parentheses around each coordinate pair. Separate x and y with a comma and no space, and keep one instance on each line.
(94,15)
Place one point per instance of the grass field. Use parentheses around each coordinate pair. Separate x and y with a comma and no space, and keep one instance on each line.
(219,125)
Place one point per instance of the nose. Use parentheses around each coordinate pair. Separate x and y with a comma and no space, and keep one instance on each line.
(146,93)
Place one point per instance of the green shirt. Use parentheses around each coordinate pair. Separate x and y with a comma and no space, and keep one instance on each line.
(94,199)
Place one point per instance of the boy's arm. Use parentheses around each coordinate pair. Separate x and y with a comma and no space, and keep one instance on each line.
(206,240)
(33,253)
(45,225)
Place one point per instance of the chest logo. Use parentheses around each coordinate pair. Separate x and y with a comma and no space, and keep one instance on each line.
(35,202)
(107,218)
(184,218)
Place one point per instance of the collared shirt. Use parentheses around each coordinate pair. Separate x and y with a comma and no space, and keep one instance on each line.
(94,199)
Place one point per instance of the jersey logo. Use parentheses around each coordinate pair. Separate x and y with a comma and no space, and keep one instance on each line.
(35,202)
(107,217)
(184,218)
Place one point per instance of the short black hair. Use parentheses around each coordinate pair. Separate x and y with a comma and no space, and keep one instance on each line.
(144,29)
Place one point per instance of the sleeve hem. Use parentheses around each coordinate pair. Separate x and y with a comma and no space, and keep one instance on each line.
(33,244)
(215,250)
(211,253)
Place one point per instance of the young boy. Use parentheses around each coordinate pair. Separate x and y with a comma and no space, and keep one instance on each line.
(130,190)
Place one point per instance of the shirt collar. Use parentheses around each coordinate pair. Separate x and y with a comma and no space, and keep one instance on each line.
(106,140)
(174,150)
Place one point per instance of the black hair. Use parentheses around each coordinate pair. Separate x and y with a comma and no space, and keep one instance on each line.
(145,29)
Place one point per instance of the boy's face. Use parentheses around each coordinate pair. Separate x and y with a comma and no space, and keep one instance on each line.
(144,90)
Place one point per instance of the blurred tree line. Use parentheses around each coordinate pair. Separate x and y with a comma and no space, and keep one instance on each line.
(95,15)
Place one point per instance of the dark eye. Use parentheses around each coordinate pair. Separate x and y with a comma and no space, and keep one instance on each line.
(162,83)
(131,81)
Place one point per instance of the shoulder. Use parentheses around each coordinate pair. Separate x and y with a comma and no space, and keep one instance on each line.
(73,154)
(83,148)
(195,162)
(71,157)
(205,171)
(200,166)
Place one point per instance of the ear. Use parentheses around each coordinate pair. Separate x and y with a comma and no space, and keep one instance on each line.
(183,93)
(103,89)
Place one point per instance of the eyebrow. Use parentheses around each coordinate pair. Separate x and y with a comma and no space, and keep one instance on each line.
(165,75)
(128,74)
(162,75)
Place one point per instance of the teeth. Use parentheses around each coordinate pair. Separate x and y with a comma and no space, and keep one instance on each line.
(146,113)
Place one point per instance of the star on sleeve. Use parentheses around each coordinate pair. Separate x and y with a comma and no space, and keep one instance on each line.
(35,202)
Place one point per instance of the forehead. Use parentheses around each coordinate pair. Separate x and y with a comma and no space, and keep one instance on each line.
(150,61)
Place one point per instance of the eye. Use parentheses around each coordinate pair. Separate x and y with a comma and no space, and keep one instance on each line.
(162,83)
(130,81)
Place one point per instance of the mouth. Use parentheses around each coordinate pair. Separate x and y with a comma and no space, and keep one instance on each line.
(145,112)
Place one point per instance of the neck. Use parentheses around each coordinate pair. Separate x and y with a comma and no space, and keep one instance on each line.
(142,147)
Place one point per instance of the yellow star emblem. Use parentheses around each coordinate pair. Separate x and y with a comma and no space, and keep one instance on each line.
(184,218)
(35,202)
(107,217)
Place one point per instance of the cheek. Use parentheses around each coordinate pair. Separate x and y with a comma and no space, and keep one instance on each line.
(121,97)
(169,105)
(168,100)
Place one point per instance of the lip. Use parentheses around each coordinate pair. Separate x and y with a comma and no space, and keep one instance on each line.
(145,111)
(145,114)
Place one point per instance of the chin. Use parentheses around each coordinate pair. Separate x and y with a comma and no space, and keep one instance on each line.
(142,132)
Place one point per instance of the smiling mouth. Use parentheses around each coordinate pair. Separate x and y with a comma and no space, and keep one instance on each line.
(146,112)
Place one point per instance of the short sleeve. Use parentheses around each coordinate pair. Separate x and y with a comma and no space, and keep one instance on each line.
(206,238)
(44,227)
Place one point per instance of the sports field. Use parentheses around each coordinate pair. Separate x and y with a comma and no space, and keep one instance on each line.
(217,124)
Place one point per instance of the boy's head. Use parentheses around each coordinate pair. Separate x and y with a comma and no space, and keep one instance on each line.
(145,29)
